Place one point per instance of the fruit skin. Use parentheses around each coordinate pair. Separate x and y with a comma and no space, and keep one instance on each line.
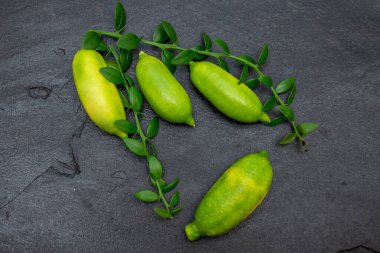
(164,93)
(233,197)
(237,101)
(99,96)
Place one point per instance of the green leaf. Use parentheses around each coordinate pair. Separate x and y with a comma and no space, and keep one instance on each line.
(266,80)
(285,85)
(184,57)
(160,34)
(292,95)
(223,64)
(112,75)
(125,126)
(276,121)
(147,196)
(126,58)
(124,100)
(175,199)
(223,45)
(161,182)
(167,57)
(162,212)
(269,104)
(170,186)
(128,41)
(135,98)
(120,17)
(263,56)
(286,111)
(207,42)
(91,40)
(199,57)
(252,83)
(135,146)
(155,167)
(287,139)
(243,74)
(102,47)
(129,79)
(247,58)
(169,31)
(176,210)
(307,127)
(153,127)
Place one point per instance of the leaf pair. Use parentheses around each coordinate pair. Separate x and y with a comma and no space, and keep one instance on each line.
(304,128)
(164,32)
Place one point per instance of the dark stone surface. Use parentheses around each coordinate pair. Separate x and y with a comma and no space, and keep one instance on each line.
(322,201)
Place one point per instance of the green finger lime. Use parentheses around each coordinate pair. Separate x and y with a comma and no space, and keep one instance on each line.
(233,197)
(237,101)
(163,92)
(99,96)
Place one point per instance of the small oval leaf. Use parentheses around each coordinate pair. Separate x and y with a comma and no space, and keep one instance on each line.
(175,199)
(266,80)
(243,74)
(287,139)
(128,41)
(292,95)
(155,167)
(286,111)
(125,126)
(167,57)
(223,64)
(207,42)
(135,146)
(269,104)
(307,127)
(223,45)
(169,31)
(91,40)
(126,58)
(276,121)
(199,57)
(146,196)
(124,100)
(112,75)
(252,83)
(135,98)
(162,213)
(170,186)
(184,57)
(246,58)
(160,34)
(153,127)
(263,55)
(120,17)
(176,210)
(285,85)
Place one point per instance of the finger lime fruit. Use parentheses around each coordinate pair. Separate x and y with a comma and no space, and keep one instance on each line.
(99,96)
(162,91)
(237,101)
(233,197)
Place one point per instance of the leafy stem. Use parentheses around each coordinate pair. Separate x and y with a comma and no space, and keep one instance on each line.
(218,56)
(145,151)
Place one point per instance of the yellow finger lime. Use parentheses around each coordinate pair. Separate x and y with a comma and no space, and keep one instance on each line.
(99,97)
(162,91)
(233,197)
(237,101)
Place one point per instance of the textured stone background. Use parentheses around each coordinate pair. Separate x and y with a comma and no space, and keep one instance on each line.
(325,200)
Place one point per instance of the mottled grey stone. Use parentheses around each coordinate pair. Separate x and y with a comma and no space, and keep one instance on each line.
(325,200)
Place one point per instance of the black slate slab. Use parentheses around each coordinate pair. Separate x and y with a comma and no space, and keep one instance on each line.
(325,200)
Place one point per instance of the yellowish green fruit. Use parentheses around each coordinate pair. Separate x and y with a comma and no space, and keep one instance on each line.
(162,91)
(237,101)
(99,96)
(233,197)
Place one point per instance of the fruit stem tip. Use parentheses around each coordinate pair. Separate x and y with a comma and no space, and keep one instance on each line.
(192,232)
